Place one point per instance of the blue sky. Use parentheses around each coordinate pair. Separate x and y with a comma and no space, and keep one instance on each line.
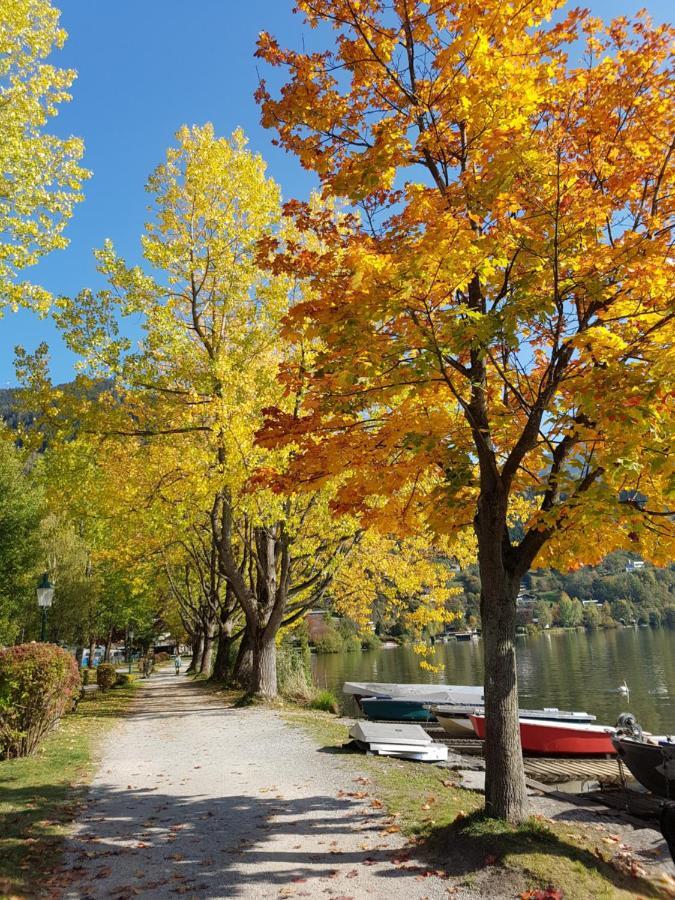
(145,68)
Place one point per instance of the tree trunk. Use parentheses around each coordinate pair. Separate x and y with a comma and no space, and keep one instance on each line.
(108,644)
(92,650)
(264,682)
(505,794)
(243,666)
(197,652)
(222,667)
(206,662)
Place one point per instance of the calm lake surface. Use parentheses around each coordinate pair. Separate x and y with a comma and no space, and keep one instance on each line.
(571,670)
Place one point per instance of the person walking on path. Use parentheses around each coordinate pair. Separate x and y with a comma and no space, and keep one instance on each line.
(178,662)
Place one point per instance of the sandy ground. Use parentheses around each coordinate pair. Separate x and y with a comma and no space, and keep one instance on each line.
(198,799)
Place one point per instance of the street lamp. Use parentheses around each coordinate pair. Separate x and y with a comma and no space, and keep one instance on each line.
(130,638)
(45,598)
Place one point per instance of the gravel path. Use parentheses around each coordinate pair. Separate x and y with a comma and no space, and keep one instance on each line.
(196,798)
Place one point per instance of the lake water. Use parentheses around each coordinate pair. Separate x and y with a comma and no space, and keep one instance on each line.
(571,670)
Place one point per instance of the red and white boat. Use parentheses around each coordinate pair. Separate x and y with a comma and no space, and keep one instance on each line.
(563,738)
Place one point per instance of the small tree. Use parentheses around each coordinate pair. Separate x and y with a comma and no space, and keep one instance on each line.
(591,616)
(543,613)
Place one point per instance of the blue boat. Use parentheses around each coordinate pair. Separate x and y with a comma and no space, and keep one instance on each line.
(396,710)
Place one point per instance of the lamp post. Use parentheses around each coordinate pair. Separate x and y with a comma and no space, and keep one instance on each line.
(45,598)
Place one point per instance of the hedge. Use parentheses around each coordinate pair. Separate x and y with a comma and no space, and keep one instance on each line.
(38,684)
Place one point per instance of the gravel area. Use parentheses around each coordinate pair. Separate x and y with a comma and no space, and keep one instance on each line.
(196,798)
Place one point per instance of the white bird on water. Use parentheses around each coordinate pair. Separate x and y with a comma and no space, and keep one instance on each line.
(623,689)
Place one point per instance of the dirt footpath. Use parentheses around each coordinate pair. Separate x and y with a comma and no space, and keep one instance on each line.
(199,799)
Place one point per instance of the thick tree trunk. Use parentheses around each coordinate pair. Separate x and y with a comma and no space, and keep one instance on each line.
(197,652)
(92,650)
(264,682)
(243,666)
(505,795)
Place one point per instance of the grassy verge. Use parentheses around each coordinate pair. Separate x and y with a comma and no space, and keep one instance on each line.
(41,795)
(488,856)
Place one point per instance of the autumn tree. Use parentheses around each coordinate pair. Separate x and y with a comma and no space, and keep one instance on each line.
(21,512)
(497,316)
(40,173)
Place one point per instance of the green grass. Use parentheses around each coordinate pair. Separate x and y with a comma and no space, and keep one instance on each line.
(488,855)
(40,795)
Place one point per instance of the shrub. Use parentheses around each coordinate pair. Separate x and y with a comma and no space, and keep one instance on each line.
(38,684)
(162,657)
(329,642)
(325,701)
(124,678)
(370,641)
(85,675)
(293,672)
(106,676)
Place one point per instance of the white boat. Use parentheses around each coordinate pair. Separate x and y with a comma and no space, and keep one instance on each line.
(468,694)
(456,720)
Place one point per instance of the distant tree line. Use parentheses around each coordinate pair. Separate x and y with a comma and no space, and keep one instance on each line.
(592,596)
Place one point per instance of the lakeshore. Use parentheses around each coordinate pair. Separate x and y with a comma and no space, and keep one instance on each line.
(192,794)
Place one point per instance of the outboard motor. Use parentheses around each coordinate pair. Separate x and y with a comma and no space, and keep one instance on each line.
(668,825)
(628,725)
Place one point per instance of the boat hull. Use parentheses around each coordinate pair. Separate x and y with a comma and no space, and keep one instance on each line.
(558,739)
(458,726)
(653,765)
(395,710)
(468,694)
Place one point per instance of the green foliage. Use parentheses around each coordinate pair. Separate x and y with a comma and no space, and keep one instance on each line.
(330,641)
(124,678)
(38,684)
(570,612)
(623,611)
(86,675)
(649,591)
(370,641)
(326,701)
(591,616)
(106,676)
(21,509)
(293,672)
(543,613)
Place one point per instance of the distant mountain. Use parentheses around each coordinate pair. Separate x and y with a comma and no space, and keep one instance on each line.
(10,408)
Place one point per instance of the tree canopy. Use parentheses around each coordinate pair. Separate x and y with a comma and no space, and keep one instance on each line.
(495,311)
(41,176)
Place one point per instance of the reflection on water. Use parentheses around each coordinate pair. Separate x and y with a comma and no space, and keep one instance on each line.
(570,670)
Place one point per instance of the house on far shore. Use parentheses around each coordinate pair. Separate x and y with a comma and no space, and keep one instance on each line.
(634,565)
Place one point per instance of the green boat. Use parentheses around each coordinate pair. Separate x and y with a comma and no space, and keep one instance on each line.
(394,710)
